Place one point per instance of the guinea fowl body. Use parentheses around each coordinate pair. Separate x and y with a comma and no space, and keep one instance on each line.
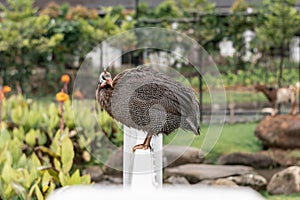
(147,100)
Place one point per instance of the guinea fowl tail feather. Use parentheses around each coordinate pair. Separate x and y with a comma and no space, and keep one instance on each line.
(189,125)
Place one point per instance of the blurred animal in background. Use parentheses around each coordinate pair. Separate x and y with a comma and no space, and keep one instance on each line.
(147,100)
(277,96)
(269,111)
(298,86)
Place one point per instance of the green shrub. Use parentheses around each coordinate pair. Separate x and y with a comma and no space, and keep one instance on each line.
(29,169)
(36,157)
(249,78)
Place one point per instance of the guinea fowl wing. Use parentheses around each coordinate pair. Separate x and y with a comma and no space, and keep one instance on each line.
(142,93)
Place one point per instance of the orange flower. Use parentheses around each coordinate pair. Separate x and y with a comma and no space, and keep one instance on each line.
(65,78)
(6,89)
(62,97)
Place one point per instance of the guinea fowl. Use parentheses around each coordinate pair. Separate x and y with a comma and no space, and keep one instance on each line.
(147,100)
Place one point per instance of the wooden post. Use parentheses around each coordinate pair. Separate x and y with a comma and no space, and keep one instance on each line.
(231,110)
(200,78)
(299,83)
(142,168)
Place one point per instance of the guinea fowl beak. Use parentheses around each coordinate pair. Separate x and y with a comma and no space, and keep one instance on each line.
(109,82)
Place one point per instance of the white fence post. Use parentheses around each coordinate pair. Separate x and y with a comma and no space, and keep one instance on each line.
(143,168)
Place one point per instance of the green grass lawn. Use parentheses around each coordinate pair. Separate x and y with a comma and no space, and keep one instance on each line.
(295,196)
(233,138)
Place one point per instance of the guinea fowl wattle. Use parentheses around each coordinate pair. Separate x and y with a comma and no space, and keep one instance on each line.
(147,100)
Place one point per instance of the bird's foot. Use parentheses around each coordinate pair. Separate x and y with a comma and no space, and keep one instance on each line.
(141,146)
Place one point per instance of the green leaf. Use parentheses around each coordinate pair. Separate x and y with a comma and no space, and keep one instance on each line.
(34,161)
(47,151)
(51,188)
(38,193)
(57,164)
(35,136)
(67,154)
(33,118)
(19,189)
(30,193)
(30,137)
(53,122)
(17,115)
(16,150)
(75,178)
(64,179)
(53,173)
(55,145)
(4,137)
(8,158)
(52,110)
(52,119)
(7,173)
(22,161)
(46,181)
(2,153)
(33,165)
(19,133)
(42,138)
(7,191)
(86,179)
(27,178)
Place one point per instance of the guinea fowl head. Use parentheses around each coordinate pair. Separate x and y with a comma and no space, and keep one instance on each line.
(105,80)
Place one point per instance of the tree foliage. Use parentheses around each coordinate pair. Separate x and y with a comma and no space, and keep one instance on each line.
(191,17)
(23,40)
(239,22)
(279,25)
(51,39)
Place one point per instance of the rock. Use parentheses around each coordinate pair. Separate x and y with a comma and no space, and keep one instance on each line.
(284,157)
(286,181)
(282,131)
(110,181)
(268,173)
(255,181)
(176,180)
(175,154)
(178,155)
(114,164)
(225,182)
(114,180)
(95,172)
(219,182)
(198,172)
(255,160)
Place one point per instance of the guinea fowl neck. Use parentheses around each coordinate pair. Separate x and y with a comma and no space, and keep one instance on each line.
(105,96)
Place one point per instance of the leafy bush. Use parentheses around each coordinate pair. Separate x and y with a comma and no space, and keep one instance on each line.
(250,78)
(44,42)
(35,155)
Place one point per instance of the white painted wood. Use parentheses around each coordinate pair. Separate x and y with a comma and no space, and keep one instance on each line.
(142,168)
